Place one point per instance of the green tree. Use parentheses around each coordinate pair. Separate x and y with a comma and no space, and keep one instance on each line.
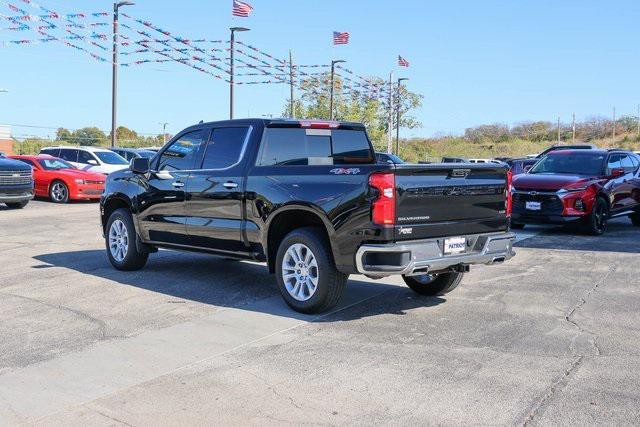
(88,136)
(355,105)
(63,135)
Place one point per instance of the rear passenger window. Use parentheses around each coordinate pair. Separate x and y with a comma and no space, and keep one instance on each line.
(69,154)
(182,153)
(350,146)
(224,147)
(613,163)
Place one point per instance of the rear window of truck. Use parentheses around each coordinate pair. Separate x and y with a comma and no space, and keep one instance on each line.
(301,147)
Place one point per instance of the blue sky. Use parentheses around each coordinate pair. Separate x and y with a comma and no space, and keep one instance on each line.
(474,61)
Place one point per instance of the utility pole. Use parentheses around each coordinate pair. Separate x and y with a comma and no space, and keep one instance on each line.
(390,118)
(573,128)
(231,63)
(558,129)
(114,76)
(292,111)
(333,71)
(400,80)
(614,123)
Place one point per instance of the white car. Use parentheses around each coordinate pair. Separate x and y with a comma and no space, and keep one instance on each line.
(94,159)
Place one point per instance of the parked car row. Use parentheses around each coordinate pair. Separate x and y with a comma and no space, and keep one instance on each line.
(62,173)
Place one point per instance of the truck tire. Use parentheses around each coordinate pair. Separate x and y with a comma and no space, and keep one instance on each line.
(306,273)
(59,192)
(120,240)
(433,284)
(596,222)
(635,218)
(18,205)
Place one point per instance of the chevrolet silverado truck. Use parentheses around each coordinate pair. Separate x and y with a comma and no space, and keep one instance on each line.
(309,199)
(16,183)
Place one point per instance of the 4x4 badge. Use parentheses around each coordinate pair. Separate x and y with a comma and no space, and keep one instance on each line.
(345,171)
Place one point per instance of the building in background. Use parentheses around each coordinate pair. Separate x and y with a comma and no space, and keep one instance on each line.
(6,142)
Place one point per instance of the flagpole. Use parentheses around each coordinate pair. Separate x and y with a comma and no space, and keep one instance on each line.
(292,111)
(390,116)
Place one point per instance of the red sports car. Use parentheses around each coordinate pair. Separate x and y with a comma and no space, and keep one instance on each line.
(60,181)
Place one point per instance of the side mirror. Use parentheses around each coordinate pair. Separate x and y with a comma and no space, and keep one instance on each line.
(140,165)
(92,162)
(616,172)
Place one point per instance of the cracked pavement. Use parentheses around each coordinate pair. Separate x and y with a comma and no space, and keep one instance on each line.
(551,337)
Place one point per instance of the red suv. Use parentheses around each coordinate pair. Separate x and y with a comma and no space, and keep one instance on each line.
(584,186)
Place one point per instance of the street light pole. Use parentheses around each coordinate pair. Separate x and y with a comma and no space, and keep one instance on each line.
(400,80)
(333,70)
(114,81)
(231,64)
(164,131)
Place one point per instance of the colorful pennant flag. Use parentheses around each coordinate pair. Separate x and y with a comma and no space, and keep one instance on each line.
(340,37)
(242,9)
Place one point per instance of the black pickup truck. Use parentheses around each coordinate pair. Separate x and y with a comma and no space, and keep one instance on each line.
(16,183)
(310,200)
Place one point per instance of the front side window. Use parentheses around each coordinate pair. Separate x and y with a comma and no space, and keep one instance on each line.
(613,163)
(84,157)
(182,153)
(626,163)
(69,154)
(224,147)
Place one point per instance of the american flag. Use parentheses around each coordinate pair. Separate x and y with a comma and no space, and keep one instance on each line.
(241,8)
(402,62)
(340,37)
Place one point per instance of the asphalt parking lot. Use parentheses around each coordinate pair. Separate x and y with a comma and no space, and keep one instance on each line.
(551,337)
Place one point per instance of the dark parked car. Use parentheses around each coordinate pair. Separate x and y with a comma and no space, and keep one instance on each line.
(520,166)
(16,183)
(579,186)
(389,158)
(131,153)
(310,200)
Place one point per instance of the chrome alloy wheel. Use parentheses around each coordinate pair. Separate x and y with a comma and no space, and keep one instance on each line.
(300,272)
(118,240)
(58,192)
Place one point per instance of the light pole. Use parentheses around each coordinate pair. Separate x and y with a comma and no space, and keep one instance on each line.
(333,70)
(114,81)
(400,80)
(164,131)
(232,49)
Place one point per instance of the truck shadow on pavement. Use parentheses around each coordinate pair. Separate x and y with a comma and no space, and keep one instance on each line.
(621,236)
(235,284)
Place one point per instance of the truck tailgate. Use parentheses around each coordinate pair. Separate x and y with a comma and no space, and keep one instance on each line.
(443,200)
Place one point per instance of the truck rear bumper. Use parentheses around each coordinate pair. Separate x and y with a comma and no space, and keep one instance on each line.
(422,256)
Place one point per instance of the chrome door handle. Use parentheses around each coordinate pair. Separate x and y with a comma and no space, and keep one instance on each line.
(230,184)
(178,184)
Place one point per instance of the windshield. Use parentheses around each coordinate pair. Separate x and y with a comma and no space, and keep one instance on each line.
(570,163)
(55,164)
(146,154)
(110,158)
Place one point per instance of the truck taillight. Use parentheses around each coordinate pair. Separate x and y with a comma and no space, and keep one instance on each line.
(509,201)
(384,206)
(319,124)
